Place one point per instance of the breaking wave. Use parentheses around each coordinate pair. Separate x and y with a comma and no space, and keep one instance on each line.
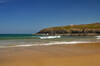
(46,44)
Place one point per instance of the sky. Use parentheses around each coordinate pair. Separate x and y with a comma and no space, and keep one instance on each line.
(30,16)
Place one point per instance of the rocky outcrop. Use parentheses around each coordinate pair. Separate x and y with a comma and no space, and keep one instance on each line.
(83,29)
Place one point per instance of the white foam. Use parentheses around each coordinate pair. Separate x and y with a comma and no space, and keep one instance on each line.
(46,44)
(97,37)
(73,42)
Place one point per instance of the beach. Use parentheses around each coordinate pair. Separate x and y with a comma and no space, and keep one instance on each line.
(49,32)
(87,54)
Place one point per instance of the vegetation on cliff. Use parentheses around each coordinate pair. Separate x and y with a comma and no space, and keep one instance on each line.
(83,29)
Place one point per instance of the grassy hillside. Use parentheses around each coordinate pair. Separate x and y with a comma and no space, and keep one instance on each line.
(93,28)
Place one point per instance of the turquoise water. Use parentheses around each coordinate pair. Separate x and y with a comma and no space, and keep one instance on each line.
(29,40)
(17,36)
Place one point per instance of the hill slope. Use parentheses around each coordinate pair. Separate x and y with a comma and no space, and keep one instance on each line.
(83,29)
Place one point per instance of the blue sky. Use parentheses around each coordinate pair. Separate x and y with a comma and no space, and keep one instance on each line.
(30,16)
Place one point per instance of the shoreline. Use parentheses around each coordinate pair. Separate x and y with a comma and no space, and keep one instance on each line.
(69,34)
(49,44)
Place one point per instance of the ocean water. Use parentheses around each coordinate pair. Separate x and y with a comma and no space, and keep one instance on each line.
(23,40)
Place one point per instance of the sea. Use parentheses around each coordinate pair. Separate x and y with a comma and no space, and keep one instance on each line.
(25,40)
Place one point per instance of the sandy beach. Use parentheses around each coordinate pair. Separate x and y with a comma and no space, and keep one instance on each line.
(55,55)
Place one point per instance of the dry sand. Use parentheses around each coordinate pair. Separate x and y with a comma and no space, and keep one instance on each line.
(56,55)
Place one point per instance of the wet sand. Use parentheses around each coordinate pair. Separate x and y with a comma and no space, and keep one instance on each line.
(55,55)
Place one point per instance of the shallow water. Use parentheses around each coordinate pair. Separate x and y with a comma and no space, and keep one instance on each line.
(16,40)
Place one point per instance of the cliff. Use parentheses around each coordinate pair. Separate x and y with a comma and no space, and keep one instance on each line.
(82,29)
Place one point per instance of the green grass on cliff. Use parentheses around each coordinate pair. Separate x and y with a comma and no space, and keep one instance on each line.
(85,26)
(93,26)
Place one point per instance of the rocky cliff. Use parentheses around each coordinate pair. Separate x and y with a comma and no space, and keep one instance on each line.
(82,29)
